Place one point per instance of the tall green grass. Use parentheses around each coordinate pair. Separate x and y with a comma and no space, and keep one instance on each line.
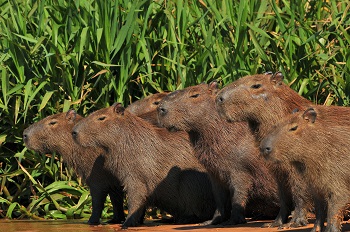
(85,54)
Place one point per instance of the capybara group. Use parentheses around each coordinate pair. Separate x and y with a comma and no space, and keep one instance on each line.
(316,143)
(227,151)
(156,168)
(54,134)
(263,100)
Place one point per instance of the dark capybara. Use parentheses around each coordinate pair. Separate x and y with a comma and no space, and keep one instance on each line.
(146,108)
(156,168)
(263,100)
(316,143)
(54,134)
(227,150)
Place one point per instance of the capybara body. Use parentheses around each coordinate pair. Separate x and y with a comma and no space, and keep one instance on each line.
(263,100)
(54,134)
(316,143)
(227,150)
(156,168)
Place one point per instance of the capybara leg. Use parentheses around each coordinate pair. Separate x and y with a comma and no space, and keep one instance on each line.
(98,199)
(285,200)
(335,213)
(116,196)
(320,211)
(238,202)
(221,200)
(299,215)
(217,218)
(136,208)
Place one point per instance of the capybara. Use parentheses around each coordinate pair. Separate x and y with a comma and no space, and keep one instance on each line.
(54,134)
(316,142)
(146,108)
(227,150)
(156,168)
(263,100)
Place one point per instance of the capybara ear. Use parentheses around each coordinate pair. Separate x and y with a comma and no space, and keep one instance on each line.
(71,115)
(118,108)
(310,115)
(214,86)
(277,78)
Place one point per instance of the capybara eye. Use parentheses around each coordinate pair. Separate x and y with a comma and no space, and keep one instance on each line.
(156,103)
(52,123)
(102,118)
(256,86)
(194,95)
(294,128)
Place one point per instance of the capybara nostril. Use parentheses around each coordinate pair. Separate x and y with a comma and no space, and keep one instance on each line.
(25,137)
(162,111)
(74,134)
(267,150)
(219,99)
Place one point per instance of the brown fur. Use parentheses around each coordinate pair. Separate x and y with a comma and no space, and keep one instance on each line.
(156,167)
(316,143)
(53,134)
(227,151)
(262,101)
(146,108)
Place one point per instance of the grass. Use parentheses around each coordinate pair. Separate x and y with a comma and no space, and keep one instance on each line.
(56,55)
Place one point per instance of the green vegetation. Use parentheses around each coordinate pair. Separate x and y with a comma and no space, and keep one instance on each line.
(85,54)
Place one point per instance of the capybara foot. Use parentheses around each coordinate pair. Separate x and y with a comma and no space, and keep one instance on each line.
(215,221)
(115,221)
(272,224)
(234,221)
(94,222)
(298,222)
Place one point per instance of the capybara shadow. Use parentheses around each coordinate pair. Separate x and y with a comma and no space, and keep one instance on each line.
(263,100)
(156,168)
(228,151)
(53,134)
(316,143)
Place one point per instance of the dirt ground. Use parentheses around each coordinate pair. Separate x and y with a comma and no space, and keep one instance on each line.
(80,226)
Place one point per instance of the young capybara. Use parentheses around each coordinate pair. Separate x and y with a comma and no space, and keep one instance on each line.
(316,143)
(226,150)
(263,100)
(156,168)
(54,134)
(146,108)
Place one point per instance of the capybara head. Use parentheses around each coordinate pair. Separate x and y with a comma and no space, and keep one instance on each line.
(50,133)
(178,110)
(146,105)
(253,98)
(92,130)
(292,137)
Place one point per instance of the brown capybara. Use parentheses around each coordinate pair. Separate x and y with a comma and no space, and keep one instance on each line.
(54,134)
(156,168)
(263,100)
(316,143)
(227,150)
(146,108)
